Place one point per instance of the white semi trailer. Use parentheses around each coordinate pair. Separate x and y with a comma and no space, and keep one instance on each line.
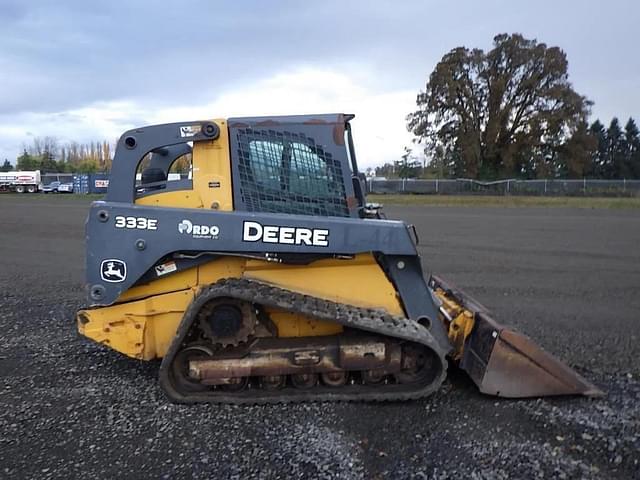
(21,182)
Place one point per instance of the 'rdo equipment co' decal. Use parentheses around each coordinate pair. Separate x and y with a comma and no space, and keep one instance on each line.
(256,232)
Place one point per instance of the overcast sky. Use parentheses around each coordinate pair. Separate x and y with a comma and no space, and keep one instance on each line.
(82,70)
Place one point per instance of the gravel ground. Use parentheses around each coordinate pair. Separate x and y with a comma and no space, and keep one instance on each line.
(569,278)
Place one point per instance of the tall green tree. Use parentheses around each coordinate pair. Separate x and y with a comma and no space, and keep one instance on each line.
(575,156)
(387,170)
(27,162)
(87,166)
(407,167)
(599,155)
(615,157)
(499,113)
(631,168)
(48,163)
(6,166)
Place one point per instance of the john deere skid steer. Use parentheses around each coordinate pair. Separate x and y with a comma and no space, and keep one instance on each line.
(265,277)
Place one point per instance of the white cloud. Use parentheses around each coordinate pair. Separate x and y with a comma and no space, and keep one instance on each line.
(379,128)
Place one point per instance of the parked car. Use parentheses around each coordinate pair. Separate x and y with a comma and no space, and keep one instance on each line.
(51,187)
(58,187)
(65,188)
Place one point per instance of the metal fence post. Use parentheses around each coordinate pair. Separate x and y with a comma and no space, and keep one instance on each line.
(403,181)
(584,185)
(624,184)
(545,186)
(436,185)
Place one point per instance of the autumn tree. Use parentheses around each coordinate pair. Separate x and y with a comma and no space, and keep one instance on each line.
(504,112)
(49,155)
(106,156)
(41,146)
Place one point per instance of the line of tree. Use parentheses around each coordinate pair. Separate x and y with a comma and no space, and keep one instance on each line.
(512,112)
(49,156)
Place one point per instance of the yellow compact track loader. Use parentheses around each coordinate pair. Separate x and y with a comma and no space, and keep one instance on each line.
(264,276)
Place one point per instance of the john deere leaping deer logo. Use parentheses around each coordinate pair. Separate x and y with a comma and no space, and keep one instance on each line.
(113,270)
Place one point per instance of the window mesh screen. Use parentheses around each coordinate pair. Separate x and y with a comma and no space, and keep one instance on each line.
(283,172)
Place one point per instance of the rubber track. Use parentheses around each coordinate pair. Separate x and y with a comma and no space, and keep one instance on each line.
(372,320)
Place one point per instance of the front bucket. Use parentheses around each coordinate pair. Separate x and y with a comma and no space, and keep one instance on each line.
(506,363)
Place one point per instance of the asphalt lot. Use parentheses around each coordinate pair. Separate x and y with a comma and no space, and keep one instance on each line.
(569,278)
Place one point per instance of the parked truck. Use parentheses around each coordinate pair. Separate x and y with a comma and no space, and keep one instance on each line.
(21,181)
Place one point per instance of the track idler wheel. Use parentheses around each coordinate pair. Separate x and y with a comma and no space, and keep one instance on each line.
(304,380)
(273,382)
(418,365)
(335,379)
(180,367)
(373,377)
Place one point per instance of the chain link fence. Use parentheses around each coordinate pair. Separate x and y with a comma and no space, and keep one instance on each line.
(462,186)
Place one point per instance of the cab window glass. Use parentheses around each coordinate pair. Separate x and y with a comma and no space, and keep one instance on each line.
(308,173)
(282,172)
(266,159)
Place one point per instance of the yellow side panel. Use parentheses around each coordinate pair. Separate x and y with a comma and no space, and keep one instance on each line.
(227,267)
(175,199)
(360,281)
(145,328)
(164,316)
(142,329)
(170,283)
(193,277)
(212,171)
(211,177)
